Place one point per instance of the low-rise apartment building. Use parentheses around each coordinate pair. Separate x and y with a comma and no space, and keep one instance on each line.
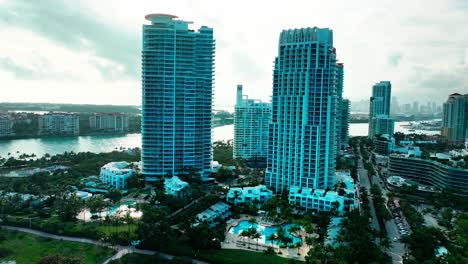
(115,174)
(238,195)
(430,171)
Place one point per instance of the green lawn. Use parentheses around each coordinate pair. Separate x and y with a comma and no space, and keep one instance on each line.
(109,229)
(29,248)
(225,256)
(238,256)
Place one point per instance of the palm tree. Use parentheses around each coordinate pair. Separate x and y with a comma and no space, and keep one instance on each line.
(309,241)
(252,221)
(244,234)
(250,232)
(256,235)
(294,229)
(298,245)
(385,243)
(128,221)
(273,238)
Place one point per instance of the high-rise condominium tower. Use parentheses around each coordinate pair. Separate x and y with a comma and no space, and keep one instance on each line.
(455,119)
(379,111)
(339,94)
(177,86)
(302,142)
(251,121)
(344,127)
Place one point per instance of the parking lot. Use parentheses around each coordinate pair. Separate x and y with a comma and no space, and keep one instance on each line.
(403,226)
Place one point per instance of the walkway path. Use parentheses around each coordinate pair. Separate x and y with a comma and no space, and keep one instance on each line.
(121,250)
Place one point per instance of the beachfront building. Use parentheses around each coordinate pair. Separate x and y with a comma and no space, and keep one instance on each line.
(6,126)
(379,110)
(251,120)
(239,195)
(455,119)
(303,133)
(439,170)
(177,91)
(59,124)
(115,174)
(109,122)
(217,210)
(174,185)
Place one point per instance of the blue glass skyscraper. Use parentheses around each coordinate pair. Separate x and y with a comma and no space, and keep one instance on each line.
(302,140)
(379,110)
(177,87)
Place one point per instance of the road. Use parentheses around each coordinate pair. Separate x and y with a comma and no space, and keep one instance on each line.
(397,249)
(364,181)
(121,250)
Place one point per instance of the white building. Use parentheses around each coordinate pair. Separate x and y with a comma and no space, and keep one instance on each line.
(117,122)
(174,185)
(218,209)
(6,126)
(59,124)
(251,121)
(248,194)
(115,174)
(321,200)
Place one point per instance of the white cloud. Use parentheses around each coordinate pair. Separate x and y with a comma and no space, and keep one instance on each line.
(425,38)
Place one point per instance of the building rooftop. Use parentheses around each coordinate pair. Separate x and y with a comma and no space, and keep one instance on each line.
(213,211)
(152,17)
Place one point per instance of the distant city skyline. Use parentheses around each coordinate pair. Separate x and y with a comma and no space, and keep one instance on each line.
(92,56)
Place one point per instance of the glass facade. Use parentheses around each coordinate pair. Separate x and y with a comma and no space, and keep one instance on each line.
(303,132)
(455,119)
(429,172)
(177,91)
(379,109)
(251,121)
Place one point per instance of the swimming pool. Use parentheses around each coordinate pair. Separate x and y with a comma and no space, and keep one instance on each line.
(266,231)
(115,208)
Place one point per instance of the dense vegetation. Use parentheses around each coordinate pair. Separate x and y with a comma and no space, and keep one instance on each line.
(30,249)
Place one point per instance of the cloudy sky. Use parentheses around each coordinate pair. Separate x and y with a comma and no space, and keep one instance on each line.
(88,51)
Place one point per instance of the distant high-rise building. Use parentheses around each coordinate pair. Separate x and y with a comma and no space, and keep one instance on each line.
(344,133)
(177,87)
(379,110)
(302,141)
(415,107)
(407,108)
(6,126)
(251,121)
(383,124)
(59,124)
(455,119)
(116,122)
(394,106)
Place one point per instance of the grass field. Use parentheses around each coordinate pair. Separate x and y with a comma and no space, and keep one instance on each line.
(29,249)
(225,256)
(238,256)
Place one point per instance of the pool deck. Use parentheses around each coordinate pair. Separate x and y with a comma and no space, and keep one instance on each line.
(233,241)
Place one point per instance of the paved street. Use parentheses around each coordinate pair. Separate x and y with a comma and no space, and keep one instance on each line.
(364,181)
(397,249)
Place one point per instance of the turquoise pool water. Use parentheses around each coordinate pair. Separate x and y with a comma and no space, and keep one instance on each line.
(266,231)
(114,208)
